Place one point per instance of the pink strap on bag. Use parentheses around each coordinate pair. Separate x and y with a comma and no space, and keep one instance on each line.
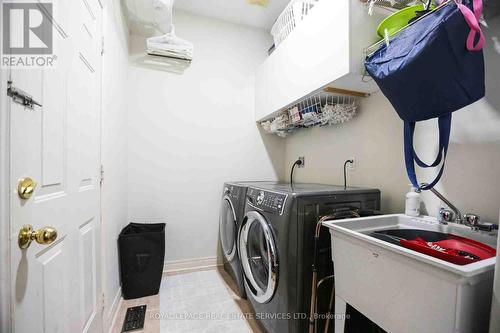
(472,19)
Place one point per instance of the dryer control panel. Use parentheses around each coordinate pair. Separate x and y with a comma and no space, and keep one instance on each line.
(267,201)
(232,191)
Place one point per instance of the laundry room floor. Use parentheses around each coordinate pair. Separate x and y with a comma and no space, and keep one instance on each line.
(200,301)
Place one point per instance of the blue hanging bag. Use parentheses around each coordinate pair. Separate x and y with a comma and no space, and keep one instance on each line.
(434,67)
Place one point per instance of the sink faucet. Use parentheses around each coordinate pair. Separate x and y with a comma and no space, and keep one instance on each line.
(455,215)
(445,215)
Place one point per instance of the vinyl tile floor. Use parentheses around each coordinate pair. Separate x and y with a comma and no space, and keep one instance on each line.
(198,302)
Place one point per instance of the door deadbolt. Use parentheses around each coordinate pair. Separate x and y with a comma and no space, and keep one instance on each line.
(26,187)
(44,236)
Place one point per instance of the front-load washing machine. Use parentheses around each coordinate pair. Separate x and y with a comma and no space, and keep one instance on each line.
(276,246)
(231,215)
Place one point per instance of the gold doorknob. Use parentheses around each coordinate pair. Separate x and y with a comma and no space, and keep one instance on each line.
(44,236)
(26,187)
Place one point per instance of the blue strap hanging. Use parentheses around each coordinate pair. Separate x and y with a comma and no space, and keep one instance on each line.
(411,156)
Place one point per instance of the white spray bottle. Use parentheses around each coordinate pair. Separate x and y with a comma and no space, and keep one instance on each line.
(412,206)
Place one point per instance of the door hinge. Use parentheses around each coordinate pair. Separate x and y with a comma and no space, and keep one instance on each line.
(103,301)
(102,173)
(21,97)
(102,45)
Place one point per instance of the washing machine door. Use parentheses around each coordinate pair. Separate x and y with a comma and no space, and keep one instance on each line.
(228,229)
(259,257)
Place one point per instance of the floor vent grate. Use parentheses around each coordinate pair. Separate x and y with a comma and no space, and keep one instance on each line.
(134,318)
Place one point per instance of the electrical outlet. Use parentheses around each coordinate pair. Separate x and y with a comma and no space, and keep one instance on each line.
(352,166)
(303,160)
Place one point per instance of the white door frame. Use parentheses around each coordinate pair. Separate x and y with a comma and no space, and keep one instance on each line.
(5,296)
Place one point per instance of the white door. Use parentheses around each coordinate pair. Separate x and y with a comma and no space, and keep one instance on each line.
(57,287)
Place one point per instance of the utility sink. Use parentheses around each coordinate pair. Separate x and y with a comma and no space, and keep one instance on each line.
(406,291)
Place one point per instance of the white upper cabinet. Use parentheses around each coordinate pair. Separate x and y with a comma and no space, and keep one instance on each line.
(326,49)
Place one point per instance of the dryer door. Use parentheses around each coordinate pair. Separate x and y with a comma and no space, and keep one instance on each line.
(228,229)
(259,257)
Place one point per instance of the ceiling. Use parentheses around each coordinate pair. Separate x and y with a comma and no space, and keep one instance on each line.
(236,11)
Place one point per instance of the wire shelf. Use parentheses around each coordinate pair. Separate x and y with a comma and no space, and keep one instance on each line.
(292,15)
(319,109)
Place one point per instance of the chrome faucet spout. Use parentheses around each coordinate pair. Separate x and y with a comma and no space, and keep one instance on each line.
(456,211)
(455,215)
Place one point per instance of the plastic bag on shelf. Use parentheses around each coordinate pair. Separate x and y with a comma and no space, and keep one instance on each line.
(338,113)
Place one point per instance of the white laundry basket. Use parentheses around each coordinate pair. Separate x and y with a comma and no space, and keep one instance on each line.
(293,14)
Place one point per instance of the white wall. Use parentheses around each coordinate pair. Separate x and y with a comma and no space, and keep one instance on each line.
(189,133)
(495,301)
(113,150)
(494,81)
(375,138)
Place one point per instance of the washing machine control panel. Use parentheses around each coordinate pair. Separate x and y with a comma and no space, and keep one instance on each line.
(267,201)
(232,191)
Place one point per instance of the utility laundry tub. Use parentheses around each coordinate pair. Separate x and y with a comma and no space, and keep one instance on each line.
(404,291)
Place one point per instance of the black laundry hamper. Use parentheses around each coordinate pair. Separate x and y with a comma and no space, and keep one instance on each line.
(142,253)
